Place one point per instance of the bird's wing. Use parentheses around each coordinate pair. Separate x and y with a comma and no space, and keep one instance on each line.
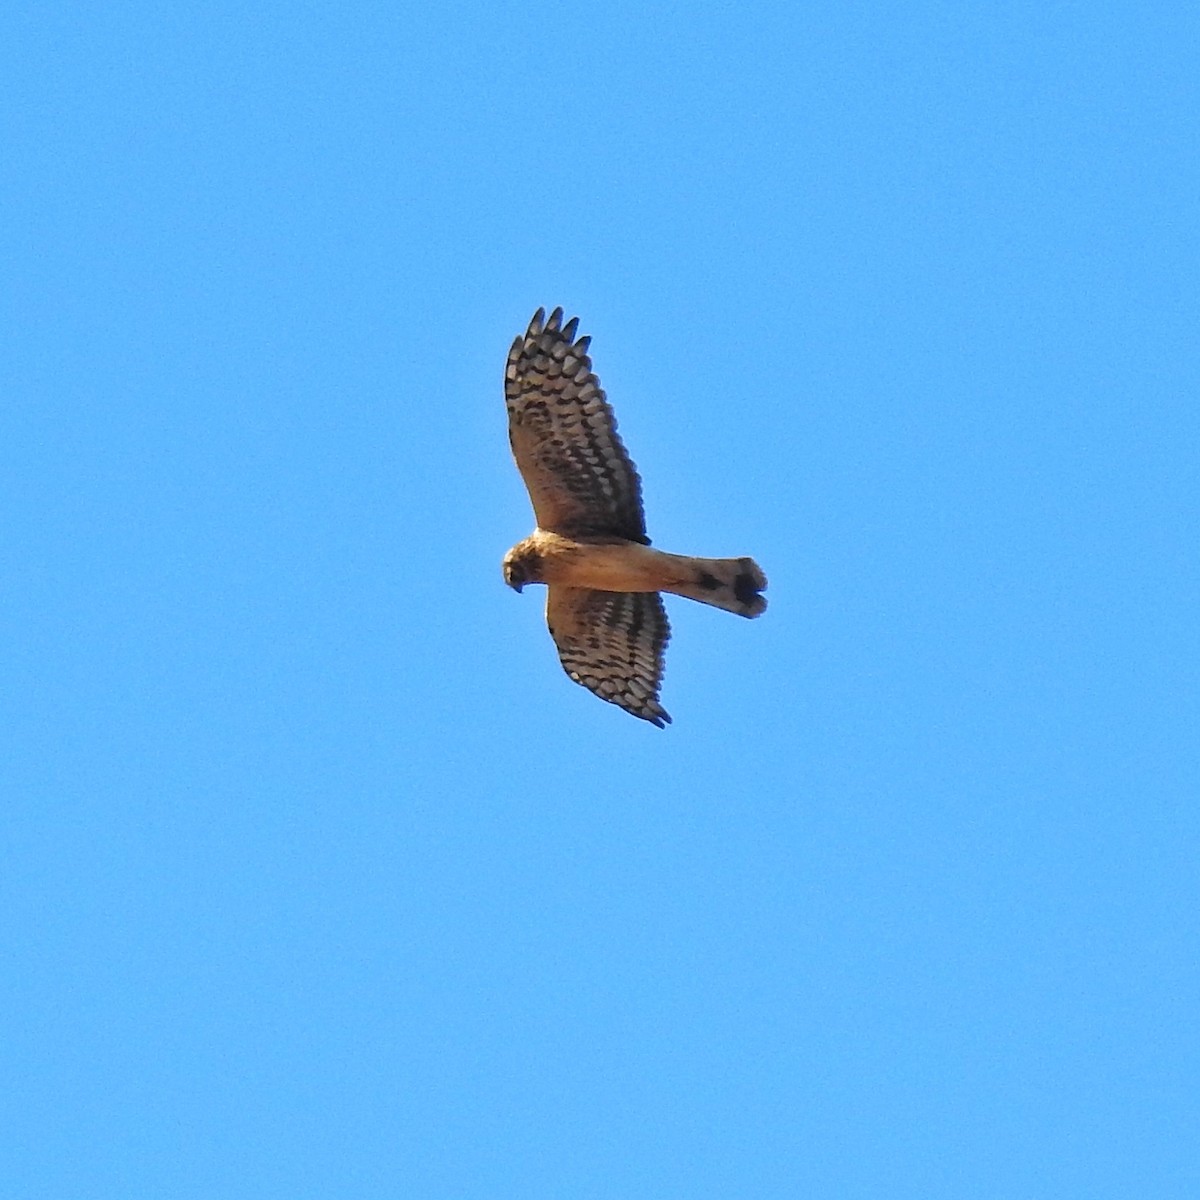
(564,436)
(612,643)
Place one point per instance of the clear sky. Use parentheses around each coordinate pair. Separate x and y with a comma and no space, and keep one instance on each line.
(320,879)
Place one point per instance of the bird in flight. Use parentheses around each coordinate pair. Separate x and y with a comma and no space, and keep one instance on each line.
(590,547)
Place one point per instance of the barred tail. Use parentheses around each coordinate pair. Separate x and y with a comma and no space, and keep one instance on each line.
(733,584)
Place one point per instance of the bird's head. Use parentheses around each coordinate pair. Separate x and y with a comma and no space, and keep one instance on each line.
(521,567)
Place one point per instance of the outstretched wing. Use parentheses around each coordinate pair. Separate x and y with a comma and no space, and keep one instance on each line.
(564,436)
(612,643)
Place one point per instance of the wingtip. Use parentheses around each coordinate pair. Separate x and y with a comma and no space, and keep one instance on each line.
(539,324)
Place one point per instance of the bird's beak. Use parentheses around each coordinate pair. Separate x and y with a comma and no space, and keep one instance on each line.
(516,587)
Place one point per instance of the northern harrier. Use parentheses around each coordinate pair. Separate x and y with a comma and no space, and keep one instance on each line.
(603,605)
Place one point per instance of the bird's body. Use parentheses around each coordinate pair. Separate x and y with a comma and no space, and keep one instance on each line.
(618,565)
(603,605)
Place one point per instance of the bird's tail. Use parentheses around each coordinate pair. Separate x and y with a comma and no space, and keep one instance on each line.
(733,584)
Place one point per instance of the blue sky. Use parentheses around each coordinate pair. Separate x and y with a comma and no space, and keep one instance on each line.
(318,876)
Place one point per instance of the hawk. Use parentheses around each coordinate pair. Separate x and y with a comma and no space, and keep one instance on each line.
(603,602)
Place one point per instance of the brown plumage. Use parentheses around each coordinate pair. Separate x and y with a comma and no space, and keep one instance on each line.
(603,605)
